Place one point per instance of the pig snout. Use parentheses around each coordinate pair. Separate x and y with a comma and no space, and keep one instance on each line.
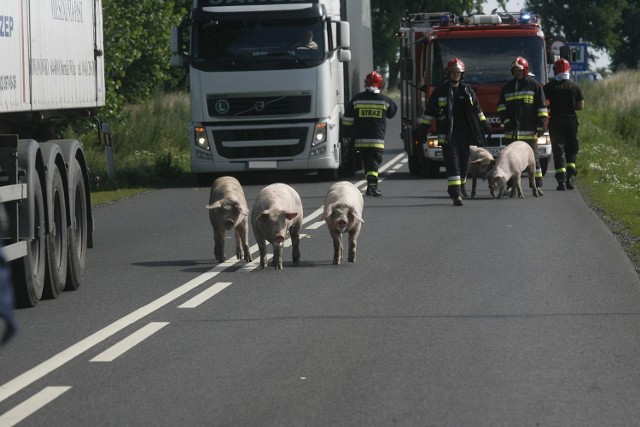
(279,240)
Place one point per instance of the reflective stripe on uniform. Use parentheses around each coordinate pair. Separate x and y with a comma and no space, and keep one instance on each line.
(454,180)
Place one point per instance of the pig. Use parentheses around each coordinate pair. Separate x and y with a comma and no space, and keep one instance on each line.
(342,211)
(276,212)
(514,159)
(480,161)
(228,211)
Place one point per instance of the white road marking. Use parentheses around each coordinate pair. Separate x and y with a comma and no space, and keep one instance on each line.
(37,372)
(31,405)
(129,342)
(205,295)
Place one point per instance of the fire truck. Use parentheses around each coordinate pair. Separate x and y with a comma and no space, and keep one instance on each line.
(487,44)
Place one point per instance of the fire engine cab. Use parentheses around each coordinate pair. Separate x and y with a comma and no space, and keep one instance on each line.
(487,44)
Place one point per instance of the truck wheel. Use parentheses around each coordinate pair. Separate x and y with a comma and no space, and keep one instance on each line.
(544,164)
(57,243)
(29,271)
(431,168)
(414,165)
(77,252)
(328,174)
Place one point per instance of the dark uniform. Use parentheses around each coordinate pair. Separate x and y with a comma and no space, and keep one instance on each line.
(365,121)
(460,123)
(564,98)
(523,111)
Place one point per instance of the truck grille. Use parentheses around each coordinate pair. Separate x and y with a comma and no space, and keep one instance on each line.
(269,146)
(258,106)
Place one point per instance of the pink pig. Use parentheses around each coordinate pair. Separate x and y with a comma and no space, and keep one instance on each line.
(277,212)
(342,212)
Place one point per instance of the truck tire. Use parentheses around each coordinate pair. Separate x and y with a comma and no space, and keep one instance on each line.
(431,168)
(29,272)
(57,242)
(414,164)
(77,253)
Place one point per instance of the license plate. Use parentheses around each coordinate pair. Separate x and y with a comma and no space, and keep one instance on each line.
(263,165)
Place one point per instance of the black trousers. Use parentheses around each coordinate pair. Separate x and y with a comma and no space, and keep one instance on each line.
(456,161)
(371,161)
(564,143)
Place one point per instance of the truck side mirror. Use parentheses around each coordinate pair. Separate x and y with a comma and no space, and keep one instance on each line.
(175,44)
(344,55)
(344,36)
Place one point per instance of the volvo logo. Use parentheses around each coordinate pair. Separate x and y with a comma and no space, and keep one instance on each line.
(222,106)
(259,106)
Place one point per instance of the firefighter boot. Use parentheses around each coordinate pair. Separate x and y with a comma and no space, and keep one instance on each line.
(454,193)
(372,186)
(571,173)
(560,178)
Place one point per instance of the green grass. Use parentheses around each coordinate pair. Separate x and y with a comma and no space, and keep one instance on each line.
(609,158)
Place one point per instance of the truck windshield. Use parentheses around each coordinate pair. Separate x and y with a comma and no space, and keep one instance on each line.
(257,44)
(488,60)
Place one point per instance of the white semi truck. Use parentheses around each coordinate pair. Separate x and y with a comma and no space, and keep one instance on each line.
(269,80)
(52,68)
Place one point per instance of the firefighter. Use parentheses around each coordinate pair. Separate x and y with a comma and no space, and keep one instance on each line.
(365,122)
(565,97)
(460,123)
(522,110)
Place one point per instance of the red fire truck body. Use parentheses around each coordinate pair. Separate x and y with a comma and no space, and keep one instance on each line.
(487,44)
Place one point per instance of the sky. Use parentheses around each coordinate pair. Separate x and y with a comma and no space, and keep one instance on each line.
(517,5)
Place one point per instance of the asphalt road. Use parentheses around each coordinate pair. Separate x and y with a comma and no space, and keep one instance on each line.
(501,312)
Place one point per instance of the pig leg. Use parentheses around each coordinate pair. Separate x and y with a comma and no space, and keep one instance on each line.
(337,247)
(239,251)
(294,232)
(218,240)
(262,246)
(532,183)
(353,243)
(243,232)
(474,182)
(517,181)
(277,257)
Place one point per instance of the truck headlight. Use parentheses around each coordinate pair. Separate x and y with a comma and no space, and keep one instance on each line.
(433,143)
(544,140)
(200,135)
(319,134)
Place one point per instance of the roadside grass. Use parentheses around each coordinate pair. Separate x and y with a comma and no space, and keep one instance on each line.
(609,159)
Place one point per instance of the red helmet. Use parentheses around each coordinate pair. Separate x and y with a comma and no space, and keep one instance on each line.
(561,66)
(373,79)
(521,64)
(455,63)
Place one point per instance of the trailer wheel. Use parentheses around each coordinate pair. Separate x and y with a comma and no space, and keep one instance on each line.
(57,243)
(30,270)
(78,232)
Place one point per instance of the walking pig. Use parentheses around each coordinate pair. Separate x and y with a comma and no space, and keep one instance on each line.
(342,212)
(480,161)
(228,211)
(514,159)
(276,212)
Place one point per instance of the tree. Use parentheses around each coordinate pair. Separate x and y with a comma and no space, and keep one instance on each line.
(136,44)
(598,22)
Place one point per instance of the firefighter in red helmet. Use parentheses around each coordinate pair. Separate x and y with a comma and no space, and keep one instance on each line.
(365,122)
(460,123)
(523,111)
(565,97)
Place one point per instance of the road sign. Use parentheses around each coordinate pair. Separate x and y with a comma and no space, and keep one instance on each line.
(579,58)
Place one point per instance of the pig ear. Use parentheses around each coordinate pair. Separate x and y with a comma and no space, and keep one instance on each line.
(327,211)
(356,214)
(290,215)
(215,205)
(476,161)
